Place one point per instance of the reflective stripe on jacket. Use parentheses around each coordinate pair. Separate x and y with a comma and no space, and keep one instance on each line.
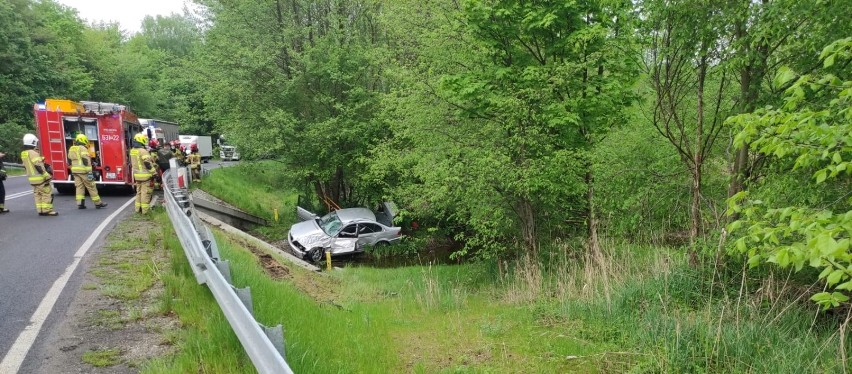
(138,158)
(31,158)
(195,160)
(80,162)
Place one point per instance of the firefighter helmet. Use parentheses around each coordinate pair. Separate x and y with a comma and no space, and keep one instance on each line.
(81,139)
(141,138)
(195,148)
(30,140)
(154,143)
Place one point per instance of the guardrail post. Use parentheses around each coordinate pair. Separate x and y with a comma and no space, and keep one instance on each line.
(214,248)
(245,296)
(224,268)
(276,336)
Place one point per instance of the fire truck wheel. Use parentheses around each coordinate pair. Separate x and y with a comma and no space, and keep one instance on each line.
(64,188)
(127,190)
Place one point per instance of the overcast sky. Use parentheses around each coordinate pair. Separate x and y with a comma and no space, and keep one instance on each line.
(128,13)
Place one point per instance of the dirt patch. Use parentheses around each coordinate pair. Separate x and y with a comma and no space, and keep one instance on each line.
(430,351)
(99,318)
(270,265)
(320,288)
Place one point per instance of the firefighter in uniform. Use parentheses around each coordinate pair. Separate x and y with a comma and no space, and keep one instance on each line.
(180,154)
(143,170)
(2,188)
(38,176)
(195,163)
(81,170)
(163,156)
(153,148)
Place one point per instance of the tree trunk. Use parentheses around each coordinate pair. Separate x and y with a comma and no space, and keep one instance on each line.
(591,215)
(751,74)
(527,216)
(738,168)
(697,161)
(695,215)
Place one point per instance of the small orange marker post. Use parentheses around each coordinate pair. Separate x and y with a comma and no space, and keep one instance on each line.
(328,261)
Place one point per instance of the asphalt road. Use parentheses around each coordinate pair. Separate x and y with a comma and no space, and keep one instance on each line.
(213,164)
(36,251)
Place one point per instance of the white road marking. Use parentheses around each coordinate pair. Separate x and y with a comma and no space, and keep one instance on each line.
(15,357)
(18,194)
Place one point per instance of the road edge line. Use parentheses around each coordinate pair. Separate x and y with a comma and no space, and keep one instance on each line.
(20,348)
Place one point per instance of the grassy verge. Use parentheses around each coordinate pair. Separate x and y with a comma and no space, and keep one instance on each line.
(643,311)
(661,315)
(114,320)
(257,188)
(635,309)
(411,319)
(15,171)
(206,343)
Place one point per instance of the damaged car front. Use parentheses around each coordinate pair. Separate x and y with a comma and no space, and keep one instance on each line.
(339,232)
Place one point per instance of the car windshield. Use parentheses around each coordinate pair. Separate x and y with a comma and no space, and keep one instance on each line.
(330,223)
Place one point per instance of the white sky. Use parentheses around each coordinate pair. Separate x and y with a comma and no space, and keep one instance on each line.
(128,13)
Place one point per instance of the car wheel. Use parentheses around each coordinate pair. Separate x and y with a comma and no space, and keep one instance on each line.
(381,244)
(316,255)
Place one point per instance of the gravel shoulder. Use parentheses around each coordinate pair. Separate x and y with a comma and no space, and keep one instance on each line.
(114,323)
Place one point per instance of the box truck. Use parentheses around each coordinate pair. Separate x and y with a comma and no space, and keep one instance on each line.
(204,143)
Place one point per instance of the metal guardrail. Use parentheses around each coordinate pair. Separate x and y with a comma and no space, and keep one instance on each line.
(264,345)
(13,165)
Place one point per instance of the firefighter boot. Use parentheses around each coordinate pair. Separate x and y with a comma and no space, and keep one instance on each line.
(50,213)
(3,209)
(82,204)
(100,205)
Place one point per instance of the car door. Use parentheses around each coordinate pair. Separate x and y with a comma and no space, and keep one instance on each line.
(368,233)
(343,242)
(304,214)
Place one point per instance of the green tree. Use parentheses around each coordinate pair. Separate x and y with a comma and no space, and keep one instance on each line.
(40,57)
(181,82)
(176,34)
(809,132)
(766,35)
(126,71)
(512,101)
(298,81)
(686,65)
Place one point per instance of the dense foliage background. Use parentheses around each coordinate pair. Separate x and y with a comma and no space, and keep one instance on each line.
(508,126)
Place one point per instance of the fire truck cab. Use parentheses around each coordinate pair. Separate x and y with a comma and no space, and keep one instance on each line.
(110,129)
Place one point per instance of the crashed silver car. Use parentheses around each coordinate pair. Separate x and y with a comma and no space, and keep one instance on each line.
(342,231)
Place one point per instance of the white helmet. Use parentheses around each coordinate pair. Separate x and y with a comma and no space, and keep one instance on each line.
(31,140)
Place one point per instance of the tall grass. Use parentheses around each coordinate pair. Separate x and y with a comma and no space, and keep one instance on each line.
(205,342)
(321,336)
(661,315)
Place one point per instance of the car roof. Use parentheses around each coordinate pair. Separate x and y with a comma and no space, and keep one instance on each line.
(355,214)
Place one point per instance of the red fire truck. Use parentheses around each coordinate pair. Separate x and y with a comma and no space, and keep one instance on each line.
(110,129)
